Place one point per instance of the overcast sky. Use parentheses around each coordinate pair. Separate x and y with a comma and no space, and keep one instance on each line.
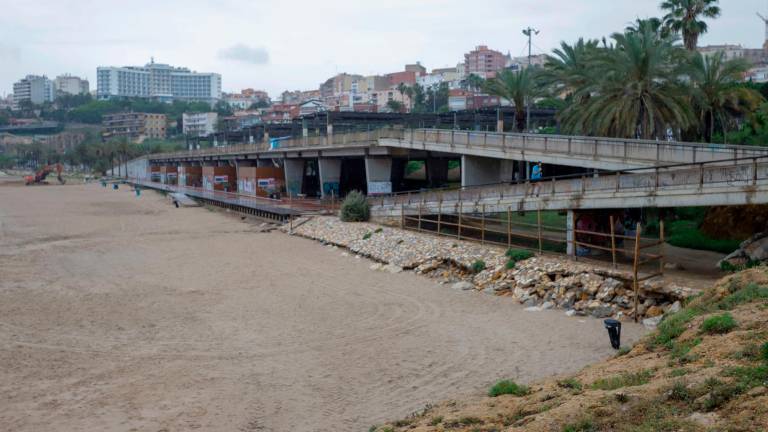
(296,44)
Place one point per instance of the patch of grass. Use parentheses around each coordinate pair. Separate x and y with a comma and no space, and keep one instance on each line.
(623,351)
(681,350)
(367,235)
(436,421)
(621,398)
(718,324)
(764,352)
(478,266)
(508,387)
(403,422)
(743,295)
(718,394)
(584,425)
(517,255)
(730,268)
(378,230)
(570,383)
(628,379)
(748,377)
(673,326)
(469,420)
(679,372)
(749,352)
(679,392)
(686,234)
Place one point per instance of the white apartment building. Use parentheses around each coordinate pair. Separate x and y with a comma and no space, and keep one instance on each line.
(199,124)
(72,85)
(157,81)
(33,88)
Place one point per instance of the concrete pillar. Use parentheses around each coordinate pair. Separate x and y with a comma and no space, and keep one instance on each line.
(499,120)
(304,128)
(378,173)
(330,175)
(507,170)
(294,175)
(262,163)
(570,225)
(477,170)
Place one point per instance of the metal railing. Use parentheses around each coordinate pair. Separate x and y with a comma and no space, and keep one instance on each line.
(739,172)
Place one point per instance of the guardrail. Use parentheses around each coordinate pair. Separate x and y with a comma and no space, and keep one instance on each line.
(641,151)
(739,172)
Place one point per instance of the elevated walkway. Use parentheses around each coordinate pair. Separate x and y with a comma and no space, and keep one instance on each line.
(737,182)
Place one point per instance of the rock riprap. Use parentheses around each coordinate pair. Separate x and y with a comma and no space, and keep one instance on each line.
(541,282)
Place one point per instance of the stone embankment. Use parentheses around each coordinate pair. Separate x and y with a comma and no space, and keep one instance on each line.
(539,283)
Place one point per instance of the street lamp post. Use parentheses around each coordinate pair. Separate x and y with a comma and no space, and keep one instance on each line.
(530,32)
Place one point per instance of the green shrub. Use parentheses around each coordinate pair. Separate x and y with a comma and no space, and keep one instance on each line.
(519,254)
(679,392)
(679,372)
(507,387)
(748,377)
(367,235)
(355,208)
(478,266)
(378,230)
(680,350)
(581,426)
(436,421)
(627,379)
(718,324)
(570,383)
(718,393)
(686,234)
(730,268)
(764,352)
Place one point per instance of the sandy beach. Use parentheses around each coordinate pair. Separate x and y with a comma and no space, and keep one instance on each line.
(120,313)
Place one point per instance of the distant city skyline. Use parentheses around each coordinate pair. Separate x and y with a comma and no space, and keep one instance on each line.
(271,47)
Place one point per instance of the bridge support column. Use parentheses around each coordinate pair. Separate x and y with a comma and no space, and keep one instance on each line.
(294,175)
(476,170)
(437,171)
(378,174)
(330,175)
(570,225)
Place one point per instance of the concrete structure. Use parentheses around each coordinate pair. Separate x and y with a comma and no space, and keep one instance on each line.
(70,85)
(484,62)
(157,81)
(135,127)
(33,88)
(199,124)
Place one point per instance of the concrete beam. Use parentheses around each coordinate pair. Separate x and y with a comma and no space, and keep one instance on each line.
(330,175)
(294,175)
(378,173)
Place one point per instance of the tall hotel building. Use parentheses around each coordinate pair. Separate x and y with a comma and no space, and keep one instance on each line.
(157,81)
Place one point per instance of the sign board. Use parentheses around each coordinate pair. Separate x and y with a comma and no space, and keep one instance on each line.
(379,188)
(220,179)
(268,184)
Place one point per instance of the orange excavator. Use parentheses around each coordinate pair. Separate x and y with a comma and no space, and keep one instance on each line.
(42,173)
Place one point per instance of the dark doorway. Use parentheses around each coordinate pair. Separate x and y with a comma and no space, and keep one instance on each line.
(310,185)
(352,176)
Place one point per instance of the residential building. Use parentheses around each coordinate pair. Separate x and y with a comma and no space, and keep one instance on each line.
(484,62)
(246,98)
(756,56)
(381,98)
(459,100)
(199,124)
(312,106)
(339,84)
(134,126)
(157,81)
(758,74)
(70,85)
(438,76)
(416,68)
(523,61)
(33,88)
(280,113)
(298,96)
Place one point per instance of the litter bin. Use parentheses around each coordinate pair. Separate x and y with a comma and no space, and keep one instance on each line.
(614,332)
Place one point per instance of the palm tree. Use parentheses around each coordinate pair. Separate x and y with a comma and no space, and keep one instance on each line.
(474,82)
(570,69)
(517,87)
(406,90)
(637,92)
(716,96)
(683,17)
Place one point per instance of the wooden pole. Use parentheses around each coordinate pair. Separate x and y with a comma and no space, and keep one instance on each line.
(613,243)
(635,263)
(482,226)
(420,205)
(461,210)
(402,216)
(439,215)
(661,247)
(538,224)
(509,227)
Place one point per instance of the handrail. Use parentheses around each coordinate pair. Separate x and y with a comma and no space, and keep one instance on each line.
(543,180)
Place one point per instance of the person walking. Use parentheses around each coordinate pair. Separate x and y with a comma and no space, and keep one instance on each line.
(536,173)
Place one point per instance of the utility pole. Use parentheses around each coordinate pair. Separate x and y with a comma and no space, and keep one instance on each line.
(530,32)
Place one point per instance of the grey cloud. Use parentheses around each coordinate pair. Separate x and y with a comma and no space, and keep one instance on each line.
(245,53)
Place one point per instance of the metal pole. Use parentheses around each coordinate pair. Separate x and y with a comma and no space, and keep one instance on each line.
(538,218)
(509,227)
(482,226)
(613,243)
(661,247)
(635,264)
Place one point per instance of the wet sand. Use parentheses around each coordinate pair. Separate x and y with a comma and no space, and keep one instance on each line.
(120,313)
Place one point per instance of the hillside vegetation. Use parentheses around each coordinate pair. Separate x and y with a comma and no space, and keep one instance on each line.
(704,368)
